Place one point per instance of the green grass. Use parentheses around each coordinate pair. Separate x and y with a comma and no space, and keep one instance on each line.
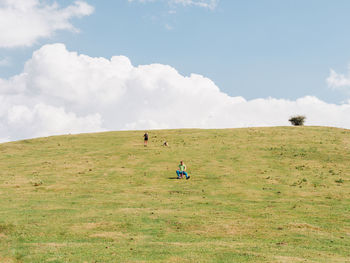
(255,195)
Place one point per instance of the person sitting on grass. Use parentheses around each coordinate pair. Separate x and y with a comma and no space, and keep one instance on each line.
(182,171)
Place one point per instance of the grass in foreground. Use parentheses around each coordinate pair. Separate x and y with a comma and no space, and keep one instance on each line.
(255,195)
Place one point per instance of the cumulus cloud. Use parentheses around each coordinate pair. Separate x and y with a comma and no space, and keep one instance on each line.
(4,62)
(23,22)
(210,4)
(339,81)
(64,92)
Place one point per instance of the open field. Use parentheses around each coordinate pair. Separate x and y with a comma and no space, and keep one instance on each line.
(255,195)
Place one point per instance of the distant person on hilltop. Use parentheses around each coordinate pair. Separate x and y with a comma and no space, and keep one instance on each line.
(182,171)
(145,136)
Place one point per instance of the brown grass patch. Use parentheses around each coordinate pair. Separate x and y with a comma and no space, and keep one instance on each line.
(285,259)
(51,244)
(304,226)
(218,230)
(90,226)
(7,260)
(178,259)
(115,236)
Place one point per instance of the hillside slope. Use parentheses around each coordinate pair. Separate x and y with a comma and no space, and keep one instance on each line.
(255,195)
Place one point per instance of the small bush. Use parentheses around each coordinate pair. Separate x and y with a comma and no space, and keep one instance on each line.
(297,120)
(340,181)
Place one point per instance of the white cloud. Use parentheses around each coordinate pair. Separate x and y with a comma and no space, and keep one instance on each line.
(168,27)
(4,62)
(210,4)
(23,22)
(64,92)
(339,81)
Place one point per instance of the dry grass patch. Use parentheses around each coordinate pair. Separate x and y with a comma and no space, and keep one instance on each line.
(51,245)
(8,260)
(115,236)
(83,227)
(222,230)
(304,226)
(286,259)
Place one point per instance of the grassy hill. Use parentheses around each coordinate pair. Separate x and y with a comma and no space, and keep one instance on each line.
(255,195)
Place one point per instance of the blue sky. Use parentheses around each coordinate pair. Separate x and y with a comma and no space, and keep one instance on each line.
(257,63)
(251,48)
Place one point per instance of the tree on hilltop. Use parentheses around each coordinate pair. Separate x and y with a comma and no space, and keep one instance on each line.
(297,120)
